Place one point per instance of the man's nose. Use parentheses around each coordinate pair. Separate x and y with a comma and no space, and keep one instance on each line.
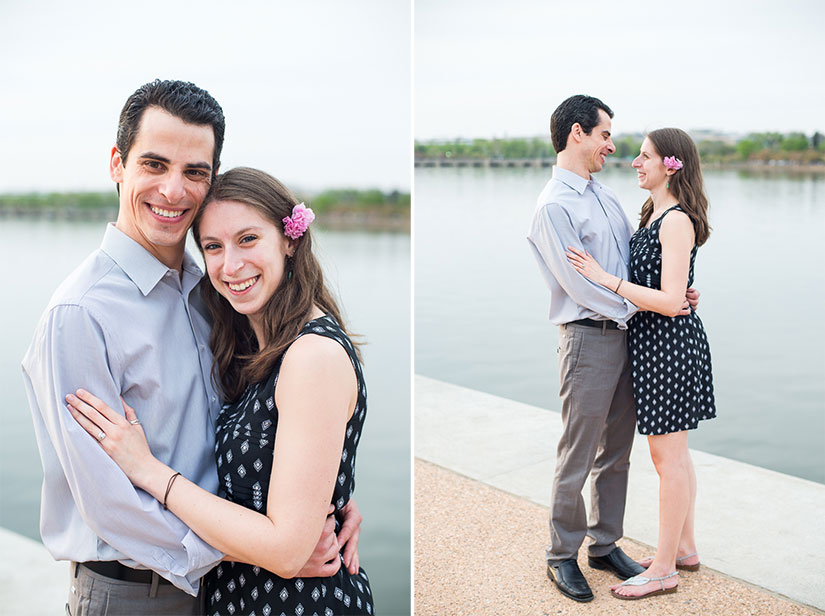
(172,188)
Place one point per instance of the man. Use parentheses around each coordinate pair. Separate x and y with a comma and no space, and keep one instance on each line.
(127,323)
(598,412)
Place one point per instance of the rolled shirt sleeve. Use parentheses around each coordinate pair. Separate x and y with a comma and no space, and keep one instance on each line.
(83,487)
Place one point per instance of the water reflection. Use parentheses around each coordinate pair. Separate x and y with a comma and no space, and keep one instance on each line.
(481,306)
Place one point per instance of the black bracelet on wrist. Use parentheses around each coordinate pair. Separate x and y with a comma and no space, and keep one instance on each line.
(169,487)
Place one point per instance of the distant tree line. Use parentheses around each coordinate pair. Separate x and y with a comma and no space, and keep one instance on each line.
(795,147)
(330,200)
(487,148)
(343,199)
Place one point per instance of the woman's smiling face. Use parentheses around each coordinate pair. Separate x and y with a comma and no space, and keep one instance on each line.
(650,168)
(245,255)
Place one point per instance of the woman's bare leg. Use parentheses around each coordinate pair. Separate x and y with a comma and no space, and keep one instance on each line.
(672,461)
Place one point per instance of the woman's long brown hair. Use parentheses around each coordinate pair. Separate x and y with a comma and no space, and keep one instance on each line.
(238,362)
(686,185)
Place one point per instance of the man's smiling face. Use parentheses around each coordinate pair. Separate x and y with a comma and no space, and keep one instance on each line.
(163,182)
(598,145)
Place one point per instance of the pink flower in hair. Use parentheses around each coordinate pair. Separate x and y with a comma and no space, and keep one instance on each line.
(671,162)
(296,225)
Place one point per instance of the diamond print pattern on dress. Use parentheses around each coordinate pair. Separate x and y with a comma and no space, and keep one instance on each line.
(239,423)
(670,356)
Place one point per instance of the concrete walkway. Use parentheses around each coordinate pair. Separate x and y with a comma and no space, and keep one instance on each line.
(755,525)
(31,581)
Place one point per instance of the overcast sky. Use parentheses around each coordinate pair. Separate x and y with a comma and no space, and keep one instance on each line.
(316,93)
(486,68)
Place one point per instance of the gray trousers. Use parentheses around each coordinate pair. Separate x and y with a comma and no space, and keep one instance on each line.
(91,594)
(599,420)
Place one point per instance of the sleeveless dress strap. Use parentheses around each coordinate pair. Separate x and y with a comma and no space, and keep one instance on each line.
(658,221)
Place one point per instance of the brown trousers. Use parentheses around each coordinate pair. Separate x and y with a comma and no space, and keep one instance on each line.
(599,420)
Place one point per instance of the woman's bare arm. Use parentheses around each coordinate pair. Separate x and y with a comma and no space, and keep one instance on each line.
(315,396)
(677,237)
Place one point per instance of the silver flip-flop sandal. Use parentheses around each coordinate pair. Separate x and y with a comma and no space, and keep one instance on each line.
(639,580)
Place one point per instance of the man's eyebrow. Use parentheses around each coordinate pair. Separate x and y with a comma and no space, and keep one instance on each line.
(606,133)
(204,166)
(152,156)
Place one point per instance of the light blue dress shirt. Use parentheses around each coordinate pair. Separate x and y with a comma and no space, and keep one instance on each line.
(123,324)
(573,211)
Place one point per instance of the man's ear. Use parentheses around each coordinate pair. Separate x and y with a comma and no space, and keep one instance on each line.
(116,165)
(577,132)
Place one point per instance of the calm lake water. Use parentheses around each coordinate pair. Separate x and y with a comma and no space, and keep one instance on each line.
(370,272)
(481,305)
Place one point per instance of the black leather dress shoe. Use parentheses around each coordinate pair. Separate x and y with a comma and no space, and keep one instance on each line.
(618,562)
(570,581)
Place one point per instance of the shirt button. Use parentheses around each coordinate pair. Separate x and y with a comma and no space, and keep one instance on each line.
(214,399)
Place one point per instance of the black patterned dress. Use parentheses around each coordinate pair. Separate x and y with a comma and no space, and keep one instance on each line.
(670,356)
(244,449)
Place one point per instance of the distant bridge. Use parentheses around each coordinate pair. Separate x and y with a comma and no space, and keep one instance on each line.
(501,162)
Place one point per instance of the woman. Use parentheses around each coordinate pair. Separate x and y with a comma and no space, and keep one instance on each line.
(672,381)
(287,438)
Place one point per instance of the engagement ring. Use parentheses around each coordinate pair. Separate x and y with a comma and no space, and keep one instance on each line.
(134,422)
(101,436)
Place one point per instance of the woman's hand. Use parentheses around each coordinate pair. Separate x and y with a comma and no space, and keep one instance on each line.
(122,438)
(586,265)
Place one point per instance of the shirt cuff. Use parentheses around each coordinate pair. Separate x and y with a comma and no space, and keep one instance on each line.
(201,559)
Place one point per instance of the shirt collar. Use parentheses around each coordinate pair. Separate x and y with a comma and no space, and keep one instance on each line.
(190,265)
(573,180)
(138,264)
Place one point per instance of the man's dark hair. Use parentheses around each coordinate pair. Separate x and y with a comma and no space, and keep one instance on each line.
(183,100)
(579,108)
